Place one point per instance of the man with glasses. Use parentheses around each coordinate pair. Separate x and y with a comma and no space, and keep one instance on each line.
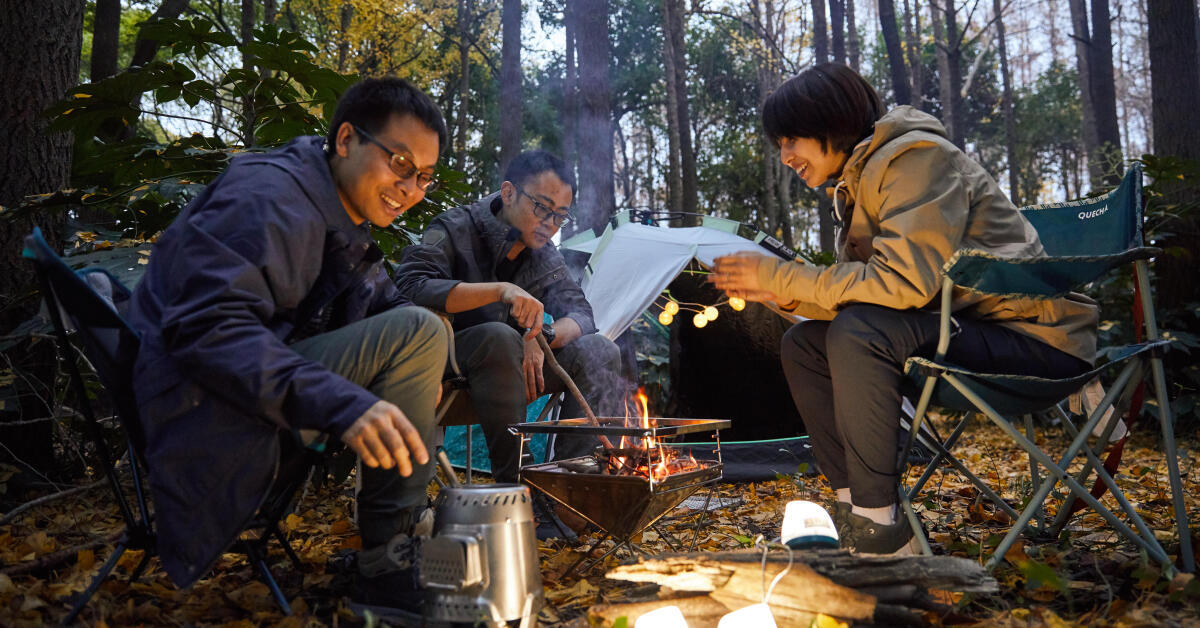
(489,265)
(265,315)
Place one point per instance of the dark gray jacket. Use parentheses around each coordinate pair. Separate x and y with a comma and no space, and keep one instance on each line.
(262,253)
(466,244)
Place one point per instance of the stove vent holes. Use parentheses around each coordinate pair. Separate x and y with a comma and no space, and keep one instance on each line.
(492,500)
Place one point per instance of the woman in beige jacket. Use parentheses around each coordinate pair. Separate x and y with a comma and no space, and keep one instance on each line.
(905,199)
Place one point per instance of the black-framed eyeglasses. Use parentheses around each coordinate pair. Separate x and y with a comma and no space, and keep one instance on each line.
(543,212)
(401,165)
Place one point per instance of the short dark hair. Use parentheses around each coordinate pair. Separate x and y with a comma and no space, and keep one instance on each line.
(371,102)
(828,102)
(531,163)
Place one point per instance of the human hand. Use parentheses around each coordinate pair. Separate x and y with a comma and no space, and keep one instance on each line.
(531,365)
(384,437)
(737,275)
(524,308)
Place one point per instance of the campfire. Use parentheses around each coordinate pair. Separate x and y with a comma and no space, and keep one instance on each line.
(625,488)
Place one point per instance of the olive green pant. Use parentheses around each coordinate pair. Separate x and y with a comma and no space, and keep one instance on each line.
(398,355)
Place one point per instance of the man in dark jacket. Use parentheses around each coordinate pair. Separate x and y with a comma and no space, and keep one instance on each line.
(486,262)
(256,322)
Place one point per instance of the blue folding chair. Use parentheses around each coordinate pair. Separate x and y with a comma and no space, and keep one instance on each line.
(1084,240)
(89,305)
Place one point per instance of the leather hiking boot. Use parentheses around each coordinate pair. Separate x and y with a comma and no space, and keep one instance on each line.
(840,513)
(386,582)
(864,536)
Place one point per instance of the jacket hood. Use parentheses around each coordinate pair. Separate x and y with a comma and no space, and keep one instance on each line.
(894,124)
(304,160)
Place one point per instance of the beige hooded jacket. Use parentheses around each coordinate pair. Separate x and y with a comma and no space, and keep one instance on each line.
(908,199)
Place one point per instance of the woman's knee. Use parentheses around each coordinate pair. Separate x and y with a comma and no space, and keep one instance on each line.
(803,340)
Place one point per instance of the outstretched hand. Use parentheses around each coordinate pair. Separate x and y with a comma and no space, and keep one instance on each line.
(384,437)
(737,275)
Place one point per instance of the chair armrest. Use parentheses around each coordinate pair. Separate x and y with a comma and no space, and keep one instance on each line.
(1042,277)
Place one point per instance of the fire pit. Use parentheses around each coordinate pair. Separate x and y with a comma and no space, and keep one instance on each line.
(624,489)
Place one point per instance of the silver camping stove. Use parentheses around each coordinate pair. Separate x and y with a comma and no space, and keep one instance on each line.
(481,565)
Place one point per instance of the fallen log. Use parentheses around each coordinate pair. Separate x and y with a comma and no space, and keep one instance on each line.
(857,589)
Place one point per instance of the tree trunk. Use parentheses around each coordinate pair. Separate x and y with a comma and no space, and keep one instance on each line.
(957,124)
(596,202)
(145,49)
(820,36)
(249,114)
(674,171)
(1175,94)
(345,17)
(852,47)
(1104,96)
(912,27)
(945,83)
(39,61)
(687,152)
(891,38)
(570,114)
(269,11)
(510,84)
(464,82)
(837,25)
(1083,46)
(106,32)
(1010,124)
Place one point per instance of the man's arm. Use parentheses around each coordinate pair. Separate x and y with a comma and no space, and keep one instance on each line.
(524,308)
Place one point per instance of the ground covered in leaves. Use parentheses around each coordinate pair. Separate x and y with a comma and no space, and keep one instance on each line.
(1089,577)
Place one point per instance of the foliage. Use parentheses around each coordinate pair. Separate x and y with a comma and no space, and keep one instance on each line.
(143,181)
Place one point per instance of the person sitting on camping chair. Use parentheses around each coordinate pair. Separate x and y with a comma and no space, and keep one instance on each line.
(489,261)
(265,311)
(906,199)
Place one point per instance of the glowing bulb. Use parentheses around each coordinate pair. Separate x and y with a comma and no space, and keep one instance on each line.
(738,304)
(665,317)
(671,308)
(710,313)
(699,320)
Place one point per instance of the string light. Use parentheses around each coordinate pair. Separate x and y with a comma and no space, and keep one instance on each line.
(710,313)
(699,320)
(738,304)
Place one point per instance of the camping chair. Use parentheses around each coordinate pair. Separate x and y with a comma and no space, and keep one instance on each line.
(91,303)
(1084,240)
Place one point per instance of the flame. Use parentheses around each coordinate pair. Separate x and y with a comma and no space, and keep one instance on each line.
(659,462)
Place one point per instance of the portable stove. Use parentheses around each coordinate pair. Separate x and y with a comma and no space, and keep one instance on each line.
(623,490)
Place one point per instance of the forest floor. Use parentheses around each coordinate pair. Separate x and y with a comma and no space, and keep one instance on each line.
(1089,577)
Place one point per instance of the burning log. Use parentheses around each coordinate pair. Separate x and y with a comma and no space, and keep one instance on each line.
(861,589)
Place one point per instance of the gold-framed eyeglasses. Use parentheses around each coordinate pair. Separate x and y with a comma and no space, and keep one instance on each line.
(401,165)
(543,211)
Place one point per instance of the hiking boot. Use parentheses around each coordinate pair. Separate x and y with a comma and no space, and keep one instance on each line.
(386,582)
(864,536)
(549,526)
(841,520)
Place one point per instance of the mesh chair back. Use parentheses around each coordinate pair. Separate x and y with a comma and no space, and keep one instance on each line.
(1103,225)
(109,343)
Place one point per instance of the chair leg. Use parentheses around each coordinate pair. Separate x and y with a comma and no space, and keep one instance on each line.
(915,523)
(86,595)
(1034,475)
(287,547)
(258,558)
(1152,547)
(1167,424)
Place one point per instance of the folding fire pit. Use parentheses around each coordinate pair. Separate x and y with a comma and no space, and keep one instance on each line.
(624,489)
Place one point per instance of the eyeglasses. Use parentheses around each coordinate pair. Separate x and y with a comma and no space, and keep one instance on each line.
(401,165)
(543,212)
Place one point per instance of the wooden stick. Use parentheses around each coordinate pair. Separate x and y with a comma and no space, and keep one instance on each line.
(566,379)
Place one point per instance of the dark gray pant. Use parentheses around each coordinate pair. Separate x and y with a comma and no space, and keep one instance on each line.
(398,355)
(846,377)
(490,355)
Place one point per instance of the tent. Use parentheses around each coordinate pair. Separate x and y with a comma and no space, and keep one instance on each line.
(630,264)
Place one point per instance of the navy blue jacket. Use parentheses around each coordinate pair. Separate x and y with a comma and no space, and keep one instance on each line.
(467,244)
(264,251)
